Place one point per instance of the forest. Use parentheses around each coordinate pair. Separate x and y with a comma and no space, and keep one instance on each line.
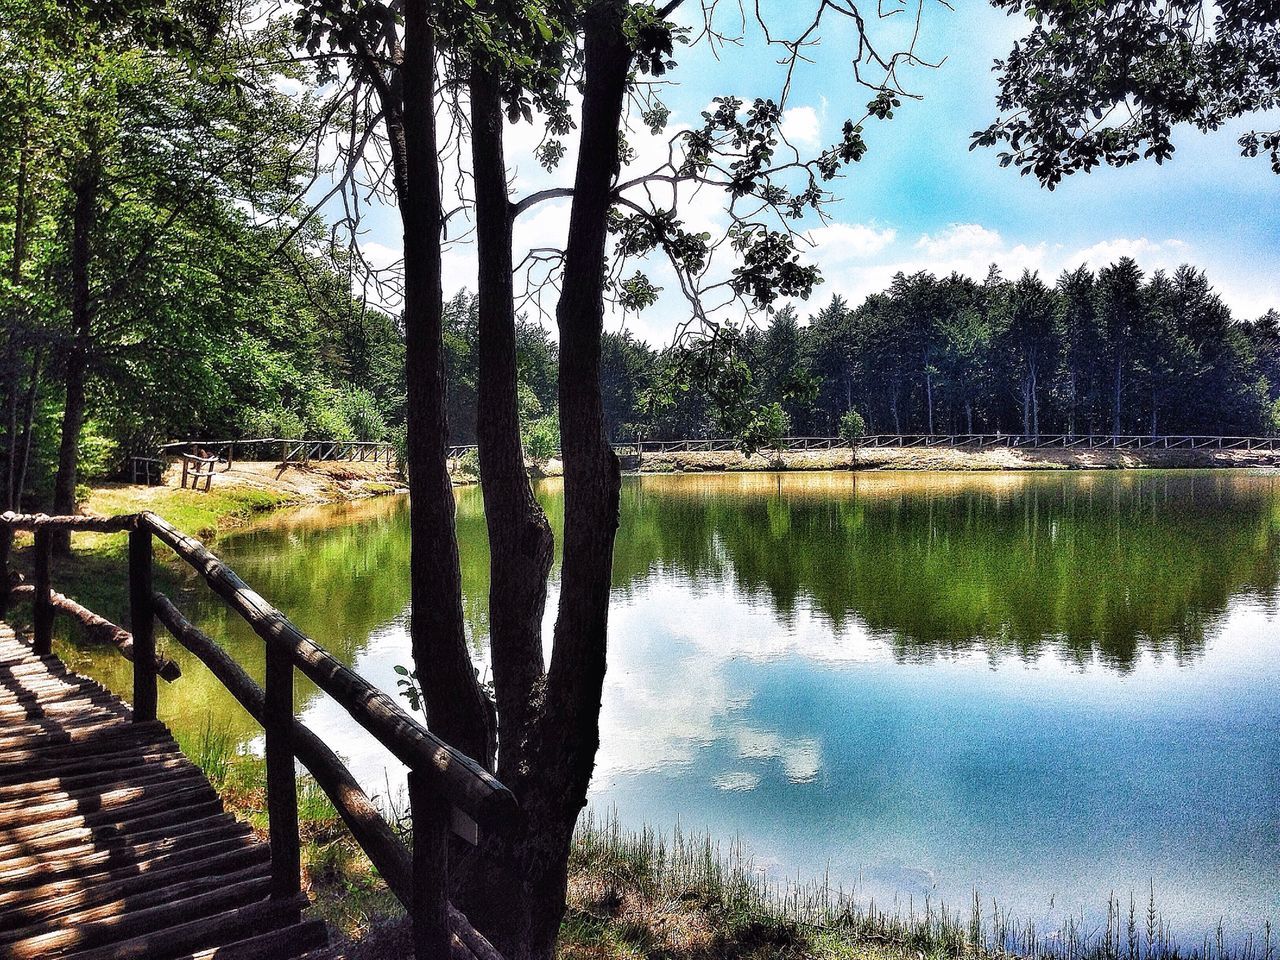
(163,276)
(288,353)
(1107,352)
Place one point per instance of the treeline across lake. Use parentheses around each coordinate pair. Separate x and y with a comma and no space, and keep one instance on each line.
(1115,351)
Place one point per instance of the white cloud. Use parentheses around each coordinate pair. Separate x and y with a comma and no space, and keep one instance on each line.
(960,238)
(849,241)
(379,255)
(857,259)
(801,127)
(1166,254)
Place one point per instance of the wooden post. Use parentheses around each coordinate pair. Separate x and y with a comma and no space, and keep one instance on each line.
(430,911)
(142,622)
(6,543)
(42,612)
(282,781)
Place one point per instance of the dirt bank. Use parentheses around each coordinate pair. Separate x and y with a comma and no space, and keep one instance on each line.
(951,458)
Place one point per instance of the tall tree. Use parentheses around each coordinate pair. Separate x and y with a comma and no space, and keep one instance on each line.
(1120,311)
(163,118)
(513,58)
(1082,346)
(1028,335)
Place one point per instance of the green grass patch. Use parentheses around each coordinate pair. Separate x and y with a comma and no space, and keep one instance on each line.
(199,513)
(96,572)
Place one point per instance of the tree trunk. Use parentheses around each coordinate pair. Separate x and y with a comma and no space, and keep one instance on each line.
(928,391)
(23,449)
(1115,411)
(1071,390)
(1035,403)
(457,707)
(84,218)
(568,732)
(520,541)
(968,415)
(11,394)
(20,204)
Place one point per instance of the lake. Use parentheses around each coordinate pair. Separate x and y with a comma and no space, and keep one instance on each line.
(1045,687)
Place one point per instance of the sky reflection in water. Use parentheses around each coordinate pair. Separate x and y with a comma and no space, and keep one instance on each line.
(1047,687)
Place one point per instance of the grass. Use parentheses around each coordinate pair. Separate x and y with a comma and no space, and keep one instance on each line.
(199,513)
(95,573)
(644,896)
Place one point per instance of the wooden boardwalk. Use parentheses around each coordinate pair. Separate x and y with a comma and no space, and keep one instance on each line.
(113,845)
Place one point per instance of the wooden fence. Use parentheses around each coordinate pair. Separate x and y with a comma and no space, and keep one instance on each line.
(1044,441)
(449,793)
(286,451)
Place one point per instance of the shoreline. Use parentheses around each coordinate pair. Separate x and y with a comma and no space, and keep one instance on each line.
(948,459)
(237,497)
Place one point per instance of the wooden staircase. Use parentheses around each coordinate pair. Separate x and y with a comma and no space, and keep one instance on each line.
(113,845)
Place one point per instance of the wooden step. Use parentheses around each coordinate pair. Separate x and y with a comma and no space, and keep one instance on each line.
(156,766)
(229,840)
(128,805)
(129,829)
(300,940)
(180,889)
(159,920)
(37,870)
(83,741)
(197,935)
(118,755)
(16,813)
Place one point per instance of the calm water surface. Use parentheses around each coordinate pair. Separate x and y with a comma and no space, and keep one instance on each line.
(1045,687)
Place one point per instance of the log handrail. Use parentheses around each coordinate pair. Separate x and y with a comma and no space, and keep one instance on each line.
(289,449)
(448,791)
(386,851)
(100,629)
(456,776)
(46,602)
(36,521)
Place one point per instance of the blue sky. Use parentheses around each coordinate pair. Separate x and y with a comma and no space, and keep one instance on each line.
(920,199)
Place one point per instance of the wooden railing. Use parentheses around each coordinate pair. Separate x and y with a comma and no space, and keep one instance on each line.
(449,793)
(1071,441)
(968,440)
(286,450)
(196,469)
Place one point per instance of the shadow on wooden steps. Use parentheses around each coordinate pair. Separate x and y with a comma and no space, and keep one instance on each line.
(113,846)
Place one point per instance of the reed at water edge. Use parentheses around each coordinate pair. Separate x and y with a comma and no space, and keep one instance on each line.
(652,890)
